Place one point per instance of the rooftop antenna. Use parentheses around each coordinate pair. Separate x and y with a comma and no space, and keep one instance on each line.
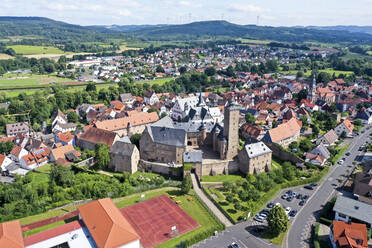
(258,20)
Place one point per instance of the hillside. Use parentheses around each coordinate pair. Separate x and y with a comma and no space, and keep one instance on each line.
(225,29)
(352,29)
(46,29)
(61,32)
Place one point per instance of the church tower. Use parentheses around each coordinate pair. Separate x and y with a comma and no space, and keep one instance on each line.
(231,129)
(313,90)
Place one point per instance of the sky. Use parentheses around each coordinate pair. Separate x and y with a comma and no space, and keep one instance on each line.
(261,12)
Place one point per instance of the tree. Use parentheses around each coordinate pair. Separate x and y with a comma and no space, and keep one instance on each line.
(72,117)
(249,118)
(102,155)
(323,77)
(343,135)
(182,69)
(277,220)
(301,95)
(358,122)
(6,147)
(210,71)
(61,176)
(159,68)
(91,87)
(186,184)
(288,171)
(135,139)
(306,145)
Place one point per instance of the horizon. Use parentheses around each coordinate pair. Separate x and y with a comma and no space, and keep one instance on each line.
(145,12)
(170,24)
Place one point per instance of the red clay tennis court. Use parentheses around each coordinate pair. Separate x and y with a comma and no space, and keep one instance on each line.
(153,219)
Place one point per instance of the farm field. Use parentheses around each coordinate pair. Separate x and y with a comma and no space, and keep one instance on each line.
(330,71)
(248,41)
(29,80)
(27,50)
(156,81)
(4,56)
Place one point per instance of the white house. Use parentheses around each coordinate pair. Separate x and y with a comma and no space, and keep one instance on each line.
(182,107)
(345,126)
(4,162)
(151,98)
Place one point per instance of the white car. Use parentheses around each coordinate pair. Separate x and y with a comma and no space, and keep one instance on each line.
(287,210)
(341,161)
(259,218)
(278,204)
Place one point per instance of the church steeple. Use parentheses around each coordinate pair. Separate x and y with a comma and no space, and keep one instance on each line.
(312,90)
(201,102)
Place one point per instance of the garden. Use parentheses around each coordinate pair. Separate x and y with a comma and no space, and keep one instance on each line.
(237,198)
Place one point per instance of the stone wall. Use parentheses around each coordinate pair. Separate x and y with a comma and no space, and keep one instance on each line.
(160,168)
(283,154)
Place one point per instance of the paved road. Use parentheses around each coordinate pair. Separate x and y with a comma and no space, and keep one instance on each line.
(299,233)
(208,202)
(240,234)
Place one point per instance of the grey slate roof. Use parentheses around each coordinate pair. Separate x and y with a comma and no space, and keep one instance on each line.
(168,136)
(193,157)
(353,208)
(123,147)
(164,122)
(256,149)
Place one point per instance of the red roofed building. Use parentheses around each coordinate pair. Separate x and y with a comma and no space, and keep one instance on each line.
(345,126)
(11,235)
(346,235)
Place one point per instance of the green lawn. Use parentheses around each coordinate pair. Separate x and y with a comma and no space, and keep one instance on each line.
(222,178)
(31,50)
(329,70)
(156,81)
(341,152)
(30,79)
(276,240)
(194,208)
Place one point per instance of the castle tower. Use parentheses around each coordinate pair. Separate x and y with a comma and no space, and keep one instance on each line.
(231,129)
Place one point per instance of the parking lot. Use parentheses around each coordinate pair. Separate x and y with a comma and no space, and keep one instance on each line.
(294,204)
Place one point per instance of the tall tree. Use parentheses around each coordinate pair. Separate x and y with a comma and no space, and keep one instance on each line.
(102,155)
(186,184)
(278,220)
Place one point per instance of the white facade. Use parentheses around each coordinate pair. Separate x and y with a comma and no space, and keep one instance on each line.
(152,100)
(7,161)
(76,239)
(179,111)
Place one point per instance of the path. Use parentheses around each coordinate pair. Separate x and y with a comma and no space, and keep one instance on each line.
(208,202)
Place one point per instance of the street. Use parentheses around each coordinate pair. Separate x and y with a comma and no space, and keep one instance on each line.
(299,234)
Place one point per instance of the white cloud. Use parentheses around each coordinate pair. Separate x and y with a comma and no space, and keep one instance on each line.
(246,8)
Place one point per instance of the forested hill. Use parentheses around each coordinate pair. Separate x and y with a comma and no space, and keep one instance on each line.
(352,29)
(45,28)
(222,28)
(62,32)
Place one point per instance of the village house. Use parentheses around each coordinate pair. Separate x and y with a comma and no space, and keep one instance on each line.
(124,155)
(328,139)
(318,155)
(285,133)
(63,154)
(348,235)
(255,158)
(127,126)
(17,128)
(362,184)
(4,162)
(127,99)
(35,159)
(151,98)
(345,126)
(17,153)
(251,131)
(92,136)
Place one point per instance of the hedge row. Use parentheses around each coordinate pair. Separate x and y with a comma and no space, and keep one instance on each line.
(219,207)
(312,179)
(316,231)
(205,234)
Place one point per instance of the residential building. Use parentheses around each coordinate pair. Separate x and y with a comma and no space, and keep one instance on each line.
(65,138)
(4,162)
(318,155)
(151,98)
(60,155)
(285,133)
(362,184)
(17,128)
(365,115)
(182,107)
(127,126)
(124,155)
(348,210)
(255,158)
(328,139)
(345,126)
(11,235)
(17,153)
(127,99)
(345,235)
(92,136)
(251,131)
(35,159)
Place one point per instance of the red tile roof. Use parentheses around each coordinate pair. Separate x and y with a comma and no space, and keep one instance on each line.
(54,232)
(352,235)
(11,235)
(108,226)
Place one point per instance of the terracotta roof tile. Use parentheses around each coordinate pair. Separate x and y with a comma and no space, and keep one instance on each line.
(11,235)
(61,151)
(285,130)
(141,118)
(65,137)
(108,226)
(346,234)
(96,135)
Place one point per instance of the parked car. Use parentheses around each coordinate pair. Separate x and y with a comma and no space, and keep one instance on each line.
(270,205)
(289,192)
(287,210)
(313,185)
(299,196)
(308,187)
(305,197)
(285,196)
(290,198)
(302,203)
(278,204)
(293,213)
(259,218)
(341,161)
(347,154)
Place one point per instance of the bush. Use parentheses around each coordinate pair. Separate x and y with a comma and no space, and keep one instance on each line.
(325,221)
